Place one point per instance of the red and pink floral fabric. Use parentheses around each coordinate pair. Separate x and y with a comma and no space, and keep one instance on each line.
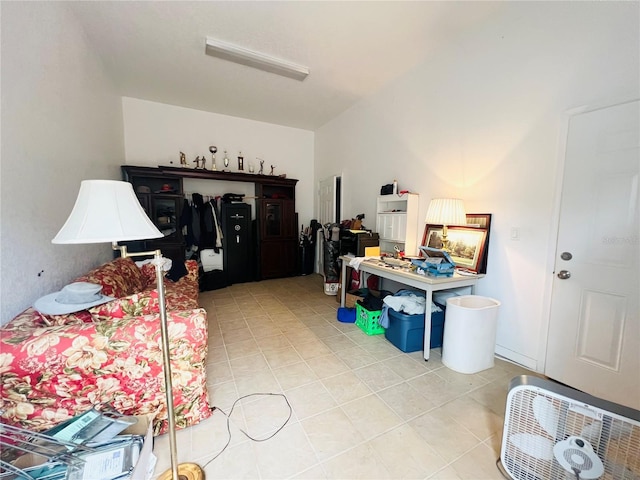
(55,367)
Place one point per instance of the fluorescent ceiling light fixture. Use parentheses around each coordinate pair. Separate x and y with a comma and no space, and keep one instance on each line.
(250,58)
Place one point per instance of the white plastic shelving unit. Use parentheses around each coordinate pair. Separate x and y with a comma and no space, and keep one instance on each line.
(397,222)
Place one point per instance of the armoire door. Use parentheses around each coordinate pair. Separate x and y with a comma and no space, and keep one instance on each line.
(278,243)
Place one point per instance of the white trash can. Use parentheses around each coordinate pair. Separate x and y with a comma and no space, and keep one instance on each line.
(470,326)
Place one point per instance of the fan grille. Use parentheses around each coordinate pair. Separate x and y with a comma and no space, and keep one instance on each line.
(530,431)
(572,453)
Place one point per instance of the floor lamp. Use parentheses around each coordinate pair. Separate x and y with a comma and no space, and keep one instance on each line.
(109,211)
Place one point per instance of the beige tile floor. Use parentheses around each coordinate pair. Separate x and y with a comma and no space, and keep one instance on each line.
(361,407)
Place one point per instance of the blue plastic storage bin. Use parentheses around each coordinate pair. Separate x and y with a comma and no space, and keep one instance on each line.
(437,327)
(406,332)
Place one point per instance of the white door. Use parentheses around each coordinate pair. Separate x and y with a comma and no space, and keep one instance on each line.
(329,206)
(594,330)
(328,195)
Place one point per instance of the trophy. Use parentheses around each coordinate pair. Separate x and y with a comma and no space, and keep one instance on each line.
(213,149)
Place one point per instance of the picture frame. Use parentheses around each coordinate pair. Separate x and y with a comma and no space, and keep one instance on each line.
(479,220)
(477,242)
(466,244)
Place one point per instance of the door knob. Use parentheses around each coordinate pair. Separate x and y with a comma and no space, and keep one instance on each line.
(564,274)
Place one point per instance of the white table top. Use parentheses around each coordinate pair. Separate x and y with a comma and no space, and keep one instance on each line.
(408,277)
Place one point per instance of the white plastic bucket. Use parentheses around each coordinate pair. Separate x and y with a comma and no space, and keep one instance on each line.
(469,341)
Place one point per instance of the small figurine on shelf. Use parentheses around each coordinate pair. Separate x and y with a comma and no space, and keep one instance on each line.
(272,167)
(213,149)
(240,162)
(261,171)
(197,162)
(183,160)
(226,160)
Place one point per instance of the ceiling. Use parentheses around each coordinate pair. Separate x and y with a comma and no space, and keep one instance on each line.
(155,50)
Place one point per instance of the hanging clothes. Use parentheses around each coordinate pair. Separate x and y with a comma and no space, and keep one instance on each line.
(197,206)
(216,222)
(210,233)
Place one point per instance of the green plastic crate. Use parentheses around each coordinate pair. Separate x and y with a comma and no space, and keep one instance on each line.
(367,320)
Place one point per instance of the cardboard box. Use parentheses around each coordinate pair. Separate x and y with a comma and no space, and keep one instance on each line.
(353,296)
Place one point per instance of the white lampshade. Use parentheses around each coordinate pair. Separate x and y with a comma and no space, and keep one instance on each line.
(106,211)
(446,211)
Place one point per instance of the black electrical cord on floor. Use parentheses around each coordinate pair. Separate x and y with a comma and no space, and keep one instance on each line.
(245,433)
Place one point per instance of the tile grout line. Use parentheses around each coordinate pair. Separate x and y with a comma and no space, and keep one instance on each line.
(322,317)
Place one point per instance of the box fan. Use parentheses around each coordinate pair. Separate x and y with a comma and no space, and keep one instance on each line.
(554,432)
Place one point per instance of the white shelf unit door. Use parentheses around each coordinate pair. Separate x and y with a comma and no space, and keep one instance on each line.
(397,222)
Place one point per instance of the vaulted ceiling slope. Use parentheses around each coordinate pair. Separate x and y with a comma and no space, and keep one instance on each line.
(155,50)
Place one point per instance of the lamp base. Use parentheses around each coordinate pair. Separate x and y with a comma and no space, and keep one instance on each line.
(186,471)
(445,240)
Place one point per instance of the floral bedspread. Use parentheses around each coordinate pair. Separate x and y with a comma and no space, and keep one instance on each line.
(55,367)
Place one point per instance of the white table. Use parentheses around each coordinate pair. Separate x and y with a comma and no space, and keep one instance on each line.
(406,277)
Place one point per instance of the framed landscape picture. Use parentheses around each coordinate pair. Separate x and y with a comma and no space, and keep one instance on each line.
(468,244)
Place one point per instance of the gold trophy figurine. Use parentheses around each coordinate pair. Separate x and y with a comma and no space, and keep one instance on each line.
(213,149)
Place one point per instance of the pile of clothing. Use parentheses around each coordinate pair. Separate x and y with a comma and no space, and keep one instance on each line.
(407,301)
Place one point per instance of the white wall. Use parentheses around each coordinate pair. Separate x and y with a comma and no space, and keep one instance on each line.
(156,133)
(61,123)
(481,120)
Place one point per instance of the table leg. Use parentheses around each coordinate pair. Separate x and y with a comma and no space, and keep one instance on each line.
(427,323)
(343,289)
